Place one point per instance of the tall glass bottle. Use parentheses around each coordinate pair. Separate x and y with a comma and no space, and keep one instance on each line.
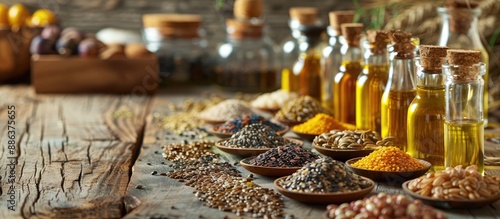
(426,111)
(344,83)
(460,31)
(464,122)
(371,82)
(289,51)
(307,68)
(400,89)
(332,57)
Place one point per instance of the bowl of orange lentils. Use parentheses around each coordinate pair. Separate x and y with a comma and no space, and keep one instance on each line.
(389,164)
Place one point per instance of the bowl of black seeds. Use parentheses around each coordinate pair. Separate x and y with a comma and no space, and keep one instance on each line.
(232,126)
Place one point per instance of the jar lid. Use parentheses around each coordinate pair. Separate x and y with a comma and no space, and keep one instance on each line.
(337,18)
(172,20)
(378,40)
(403,46)
(462,3)
(246,9)
(352,33)
(466,62)
(432,58)
(305,15)
(244,29)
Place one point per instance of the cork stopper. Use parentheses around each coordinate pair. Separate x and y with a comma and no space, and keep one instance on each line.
(462,4)
(465,62)
(337,18)
(173,25)
(305,15)
(247,9)
(352,33)
(403,46)
(460,15)
(378,40)
(432,58)
(242,29)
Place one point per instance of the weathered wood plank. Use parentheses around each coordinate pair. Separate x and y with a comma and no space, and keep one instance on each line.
(74,153)
(160,193)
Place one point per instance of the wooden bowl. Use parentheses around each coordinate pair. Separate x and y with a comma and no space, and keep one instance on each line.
(342,154)
(323,198)
(305,136)
(247,152)
(211,121)
(228,135)
(450,204)
(267,110)
(389,176)
(267,171)
(287,122)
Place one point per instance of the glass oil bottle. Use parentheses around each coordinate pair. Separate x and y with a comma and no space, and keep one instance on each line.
(400,89)
(332,57)
(307,68)
(371,82)
(426,111)
(344,83)
(460,31)
(289,49)
(464,122)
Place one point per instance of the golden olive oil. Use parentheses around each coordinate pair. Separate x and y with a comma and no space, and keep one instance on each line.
(464,142)
(289,81)
(307,70)
(395,105)
(344,91)
(369,89)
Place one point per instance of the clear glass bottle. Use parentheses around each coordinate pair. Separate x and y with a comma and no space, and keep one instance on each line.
(371,82)
(426,111)
(331,59)
(344,83)
(464,122)
(400,89)
(181,47)
(289,49)
(307,68)
(460,31)
(246,62)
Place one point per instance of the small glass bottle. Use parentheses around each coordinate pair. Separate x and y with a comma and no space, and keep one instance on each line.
(400,89)
(464,122)
(307,68)
(289,51)
(460,31)
(426,111)
(246,62)
(371,82)
(332,57)
(181,48)
(344,83)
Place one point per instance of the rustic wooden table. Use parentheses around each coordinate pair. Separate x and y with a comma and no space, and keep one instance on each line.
(82,156)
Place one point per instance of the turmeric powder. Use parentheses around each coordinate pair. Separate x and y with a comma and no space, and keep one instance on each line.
(321,123)
(389,159)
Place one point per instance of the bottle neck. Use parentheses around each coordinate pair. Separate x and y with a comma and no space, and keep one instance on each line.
(246,41)
(460,28)
(401,75)
(307,43)
(352,54)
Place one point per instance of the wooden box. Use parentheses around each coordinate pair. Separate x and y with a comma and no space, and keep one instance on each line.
(59,74)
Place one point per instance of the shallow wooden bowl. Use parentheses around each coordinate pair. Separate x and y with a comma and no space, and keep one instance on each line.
(305,136)
(247,152)
(267,171)
(389,176)
(228,135)
(342,154)
(287,122)
(211,121)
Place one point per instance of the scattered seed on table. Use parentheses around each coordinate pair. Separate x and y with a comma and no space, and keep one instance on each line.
(139,187)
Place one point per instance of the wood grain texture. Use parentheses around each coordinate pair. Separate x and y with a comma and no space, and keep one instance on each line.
(74,152)
(163,197)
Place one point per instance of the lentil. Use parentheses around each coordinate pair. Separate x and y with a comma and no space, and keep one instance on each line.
(183,152)
(274,100)
(300,110)
(226,110)
(352,140)
(284,156)
(235,125)
(389,159)
(456,183)
(256,136)
(383,205)
(324,175)
(321,123)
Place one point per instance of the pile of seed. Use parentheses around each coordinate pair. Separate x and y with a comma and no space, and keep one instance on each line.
(324,175)
(352,140)
(195,168)
(384,205)
(235,125)
(274,100)
(189,151)
(389,159)
(238,195)
(226,110)
(256,136)
(300,110)
(456,183)
(284,156)
(322,123)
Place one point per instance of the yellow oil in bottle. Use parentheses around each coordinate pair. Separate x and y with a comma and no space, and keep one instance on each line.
(426,126)
(369,90)
(344,91)
(289,81)
(395,105)
(307,71)
(464,144)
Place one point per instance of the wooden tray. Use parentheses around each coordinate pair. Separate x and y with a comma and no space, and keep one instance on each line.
(59,74)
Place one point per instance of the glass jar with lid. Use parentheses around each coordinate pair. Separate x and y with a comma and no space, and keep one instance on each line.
(246,62)
(180,45)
